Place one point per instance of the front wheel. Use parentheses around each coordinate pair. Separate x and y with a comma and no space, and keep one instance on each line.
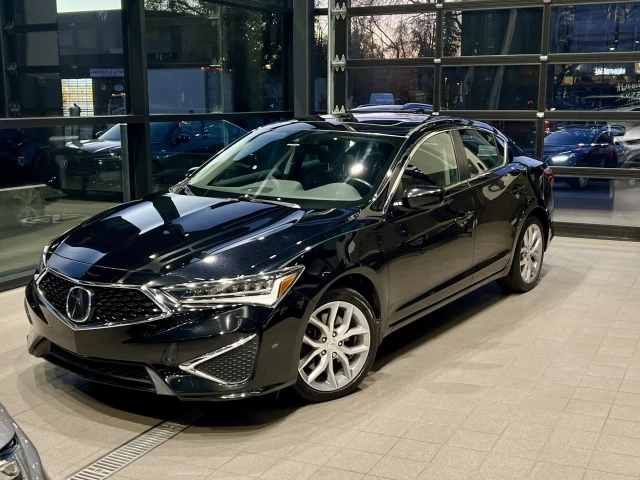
(338,347)
(527,261)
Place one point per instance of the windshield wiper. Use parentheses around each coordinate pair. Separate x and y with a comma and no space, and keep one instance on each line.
(249,198)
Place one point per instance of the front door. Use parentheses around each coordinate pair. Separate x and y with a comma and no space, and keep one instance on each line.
(430,251)
(500,194)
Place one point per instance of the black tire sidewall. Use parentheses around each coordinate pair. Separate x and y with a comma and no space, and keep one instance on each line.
(352,296)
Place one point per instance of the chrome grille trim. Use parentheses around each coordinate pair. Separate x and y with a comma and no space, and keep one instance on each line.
(190,366)
(74,326)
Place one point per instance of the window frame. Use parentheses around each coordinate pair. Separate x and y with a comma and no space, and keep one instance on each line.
(397,183)
(506,158)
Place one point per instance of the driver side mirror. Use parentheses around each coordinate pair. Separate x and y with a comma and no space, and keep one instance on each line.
(180,139)
(190,172)
(99,134)
(418,198)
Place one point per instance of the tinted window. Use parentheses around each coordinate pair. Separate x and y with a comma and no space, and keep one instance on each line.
(492,32)
(432,164)
(612,27)
(482,151)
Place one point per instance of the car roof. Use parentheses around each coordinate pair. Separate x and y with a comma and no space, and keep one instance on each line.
(401,123)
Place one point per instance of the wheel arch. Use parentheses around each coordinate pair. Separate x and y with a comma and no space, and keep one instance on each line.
(541,214)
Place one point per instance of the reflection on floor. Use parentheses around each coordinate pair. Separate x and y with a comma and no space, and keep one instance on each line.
(21,243)
(541,386)
(599,203)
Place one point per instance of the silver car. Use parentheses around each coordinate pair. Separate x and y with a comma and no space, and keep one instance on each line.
(19,459)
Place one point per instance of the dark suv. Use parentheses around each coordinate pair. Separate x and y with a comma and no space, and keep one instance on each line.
(289,256)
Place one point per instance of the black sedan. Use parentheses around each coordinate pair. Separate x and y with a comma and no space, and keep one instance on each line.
(96,165)
(289,256)
(581,146)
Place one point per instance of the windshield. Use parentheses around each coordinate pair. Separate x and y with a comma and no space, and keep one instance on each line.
(111,135)
(298,164)
(570,137)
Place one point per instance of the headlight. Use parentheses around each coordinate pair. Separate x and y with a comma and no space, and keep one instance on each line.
(13,464)
(263,289)
(561,158)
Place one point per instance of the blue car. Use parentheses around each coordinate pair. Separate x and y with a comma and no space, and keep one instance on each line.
(581,146)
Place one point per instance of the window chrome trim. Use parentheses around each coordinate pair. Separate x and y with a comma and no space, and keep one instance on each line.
(190,365)
(74,326)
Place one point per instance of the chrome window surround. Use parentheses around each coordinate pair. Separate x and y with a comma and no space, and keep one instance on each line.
(190,365)
(74,326)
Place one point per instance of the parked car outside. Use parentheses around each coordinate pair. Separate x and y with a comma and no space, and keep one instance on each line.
(19,459)
(581,146)
(176,147)
(289,256)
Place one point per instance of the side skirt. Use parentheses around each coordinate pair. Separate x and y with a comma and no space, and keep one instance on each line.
(446,301)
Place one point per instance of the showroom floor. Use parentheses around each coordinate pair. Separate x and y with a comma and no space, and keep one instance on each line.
(540,386)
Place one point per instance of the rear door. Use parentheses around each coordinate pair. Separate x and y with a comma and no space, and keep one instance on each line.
(429,252)
(500,192)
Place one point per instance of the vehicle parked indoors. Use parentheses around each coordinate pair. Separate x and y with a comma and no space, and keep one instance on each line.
(289,256)
(19,459)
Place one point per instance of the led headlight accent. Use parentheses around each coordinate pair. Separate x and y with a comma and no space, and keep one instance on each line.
(561,158)
(13,462)
(263,289)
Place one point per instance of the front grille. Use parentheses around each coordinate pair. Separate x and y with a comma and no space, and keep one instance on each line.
(115,373)
(111,305)
(234,366)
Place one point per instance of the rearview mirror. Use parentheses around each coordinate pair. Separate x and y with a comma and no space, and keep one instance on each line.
(423,197)
(99,134)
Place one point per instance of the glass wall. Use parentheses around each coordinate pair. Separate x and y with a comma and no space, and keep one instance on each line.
(72,122)
(563,81)
(210,58)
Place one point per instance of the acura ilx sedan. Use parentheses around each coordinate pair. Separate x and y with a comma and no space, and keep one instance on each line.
(288,257)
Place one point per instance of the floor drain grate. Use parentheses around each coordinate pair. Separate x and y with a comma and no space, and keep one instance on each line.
(133,450)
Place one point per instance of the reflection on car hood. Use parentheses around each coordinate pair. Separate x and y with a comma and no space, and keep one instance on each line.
(95,146)
(195,237)
(555,149)
(7,430)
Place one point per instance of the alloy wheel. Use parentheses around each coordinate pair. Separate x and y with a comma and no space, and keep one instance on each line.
(335,346)
(531,253)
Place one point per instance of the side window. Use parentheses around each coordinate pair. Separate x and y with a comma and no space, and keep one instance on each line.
(482,151)
(432,164)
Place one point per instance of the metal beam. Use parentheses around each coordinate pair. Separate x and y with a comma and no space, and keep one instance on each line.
(302,39)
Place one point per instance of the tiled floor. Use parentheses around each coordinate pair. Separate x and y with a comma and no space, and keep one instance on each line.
(538,386)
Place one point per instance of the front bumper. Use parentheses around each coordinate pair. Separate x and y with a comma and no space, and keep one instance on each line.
(233,353)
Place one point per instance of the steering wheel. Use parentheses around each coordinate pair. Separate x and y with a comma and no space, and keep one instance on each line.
(358,183)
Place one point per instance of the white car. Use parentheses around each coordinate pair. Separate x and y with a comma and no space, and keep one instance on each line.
(19,459)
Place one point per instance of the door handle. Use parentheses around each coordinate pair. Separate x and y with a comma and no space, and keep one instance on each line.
(463,218)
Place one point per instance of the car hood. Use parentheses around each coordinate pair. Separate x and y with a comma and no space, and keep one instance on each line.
(7,430)
(95,146)
(188,236)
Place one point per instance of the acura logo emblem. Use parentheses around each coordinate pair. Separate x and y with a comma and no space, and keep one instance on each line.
(79,308)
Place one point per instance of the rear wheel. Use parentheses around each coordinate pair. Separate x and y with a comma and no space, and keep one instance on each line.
(338,347)
(527,261)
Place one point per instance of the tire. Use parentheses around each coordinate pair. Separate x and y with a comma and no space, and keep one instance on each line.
(515,281)
(578,183)
(325,387)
